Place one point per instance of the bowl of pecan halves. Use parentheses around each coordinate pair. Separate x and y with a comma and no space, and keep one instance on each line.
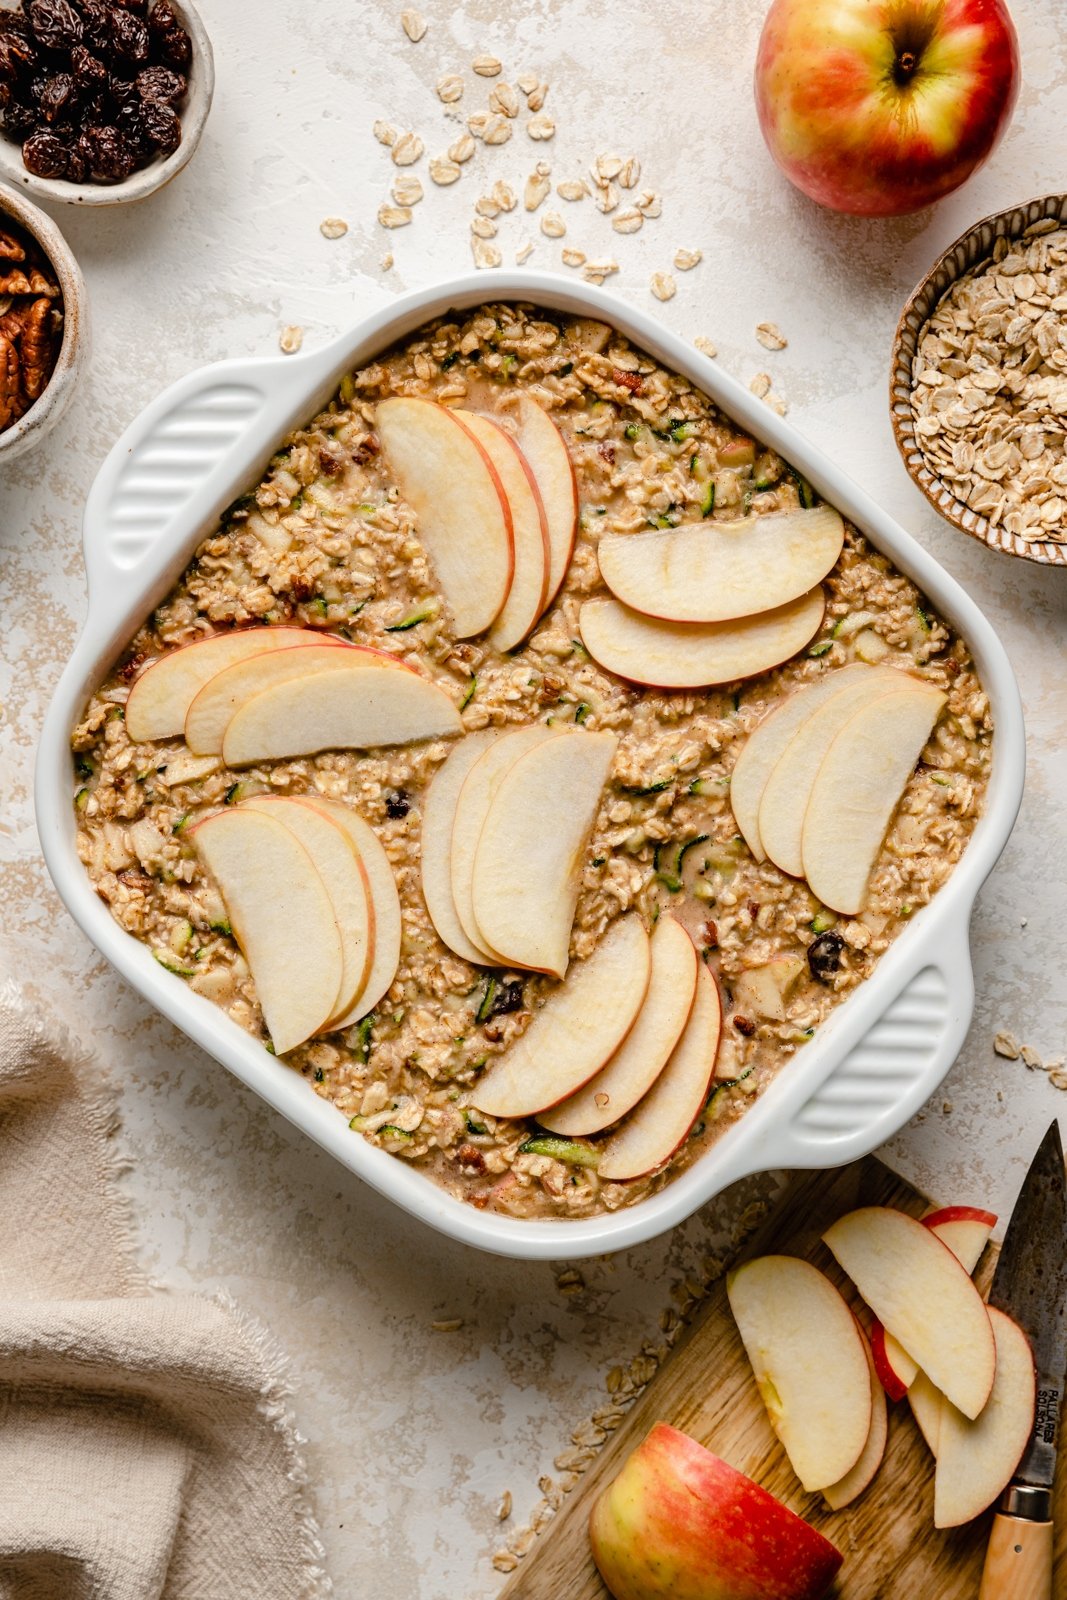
(44,327)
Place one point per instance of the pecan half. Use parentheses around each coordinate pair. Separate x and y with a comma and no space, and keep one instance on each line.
(10,249)
(9,382)
(37,347)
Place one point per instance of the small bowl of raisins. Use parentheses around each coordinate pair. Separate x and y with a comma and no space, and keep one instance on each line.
(101,101)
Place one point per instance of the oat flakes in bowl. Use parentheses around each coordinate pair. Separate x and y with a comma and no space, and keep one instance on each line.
(979,382)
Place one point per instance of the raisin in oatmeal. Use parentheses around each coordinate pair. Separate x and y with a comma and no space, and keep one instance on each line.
(326,542)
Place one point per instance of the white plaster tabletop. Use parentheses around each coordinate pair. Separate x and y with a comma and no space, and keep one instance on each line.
(413,1434)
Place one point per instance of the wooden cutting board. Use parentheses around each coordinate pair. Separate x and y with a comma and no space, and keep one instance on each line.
(892,1550)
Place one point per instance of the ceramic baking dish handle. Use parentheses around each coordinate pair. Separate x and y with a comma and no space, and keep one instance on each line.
(891,1066)
(181,462)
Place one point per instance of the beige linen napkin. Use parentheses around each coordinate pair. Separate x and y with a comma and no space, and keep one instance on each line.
(146,1450)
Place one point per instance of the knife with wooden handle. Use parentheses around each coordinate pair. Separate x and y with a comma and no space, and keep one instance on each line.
(1031,1285)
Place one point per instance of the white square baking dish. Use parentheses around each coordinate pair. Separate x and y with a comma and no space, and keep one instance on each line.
(871,1065)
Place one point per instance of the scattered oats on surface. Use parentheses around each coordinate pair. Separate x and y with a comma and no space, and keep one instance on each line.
(705,346)
(538,187)
(570,1282)
(394,216)
(1006,1044)
(450,88)
(290,339)
(1058,1079)
(663,285)
(1031,1059)
(504,195)
(505,99)
(385,133)
(461,149)
(535,97)
(443,170)
(650,203)
(572,189)
(597,271)
(605,168)
(483,228)
(387,261)
(504,1561)
(447,1325)
(629,220)
(553,225)
(527,82)
(407,150)
(541,127)
(486,205)
(629,173)
(523,253)
(573,258)
(771,336)
(686,260)
(776,402)
(760,385)
(503,1510)
(486,66)
(485,254)
(407,189)
(606,198)
(497,130)
(413,25)
(333,227)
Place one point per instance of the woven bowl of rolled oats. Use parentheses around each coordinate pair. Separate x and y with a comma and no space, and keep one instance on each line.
(978,386)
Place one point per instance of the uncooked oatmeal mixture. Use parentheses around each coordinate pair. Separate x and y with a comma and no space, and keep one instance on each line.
(326,542)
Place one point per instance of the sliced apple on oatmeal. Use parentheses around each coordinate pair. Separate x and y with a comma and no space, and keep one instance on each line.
(282,918)
(858,788)
(662,1119)
(464,518)
(160,698)
(341,869)
(529,582)
(718,571)
(693,655)
(438,820)
(810,1363)
(579,1027)
(210,711)
(528,864)
(546,451)
(358,707)
(648,1046)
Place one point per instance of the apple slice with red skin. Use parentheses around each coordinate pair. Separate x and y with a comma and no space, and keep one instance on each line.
(529,581)
(648,1046)
(694,655)
(354,707)
(851,1486)
(810,1362)
(282,917)
(464,517)
(923,1296)
(977,1459)
(661,1121)
(719,571)
(579,1027)
(679,1523)
(211,709)
(966,1230)
(161,696)
(438,820)
(546,451)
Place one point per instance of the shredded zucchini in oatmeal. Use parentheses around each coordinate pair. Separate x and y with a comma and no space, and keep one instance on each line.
(326,542)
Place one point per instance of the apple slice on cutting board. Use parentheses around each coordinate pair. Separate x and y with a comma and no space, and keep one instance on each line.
(528,864)
(358,707)
(549,459)
(926,1402)
(810,1363)
(662,1119)
(385,903)
(282,917)
(579,1027)
(921,1294)
(438,819)
(648,1046)
(857,790)
(976,1459)
(472,807)
(717,571)
(693,655)
(211,709)
(343,873)
(160,698)
(464,517)
(787,790)
(529,581)
(966,1231)
(768,741)
(851,1486)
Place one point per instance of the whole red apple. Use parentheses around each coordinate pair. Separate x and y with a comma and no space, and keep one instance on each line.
(880,107)
(679,1524)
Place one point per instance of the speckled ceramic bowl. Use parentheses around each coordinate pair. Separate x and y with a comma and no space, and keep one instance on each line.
(969,249)
(74,348)
(148,179)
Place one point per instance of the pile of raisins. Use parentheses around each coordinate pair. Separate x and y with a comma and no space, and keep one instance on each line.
(90,88)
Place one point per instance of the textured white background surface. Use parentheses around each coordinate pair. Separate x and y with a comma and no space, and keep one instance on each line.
(412,1435)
